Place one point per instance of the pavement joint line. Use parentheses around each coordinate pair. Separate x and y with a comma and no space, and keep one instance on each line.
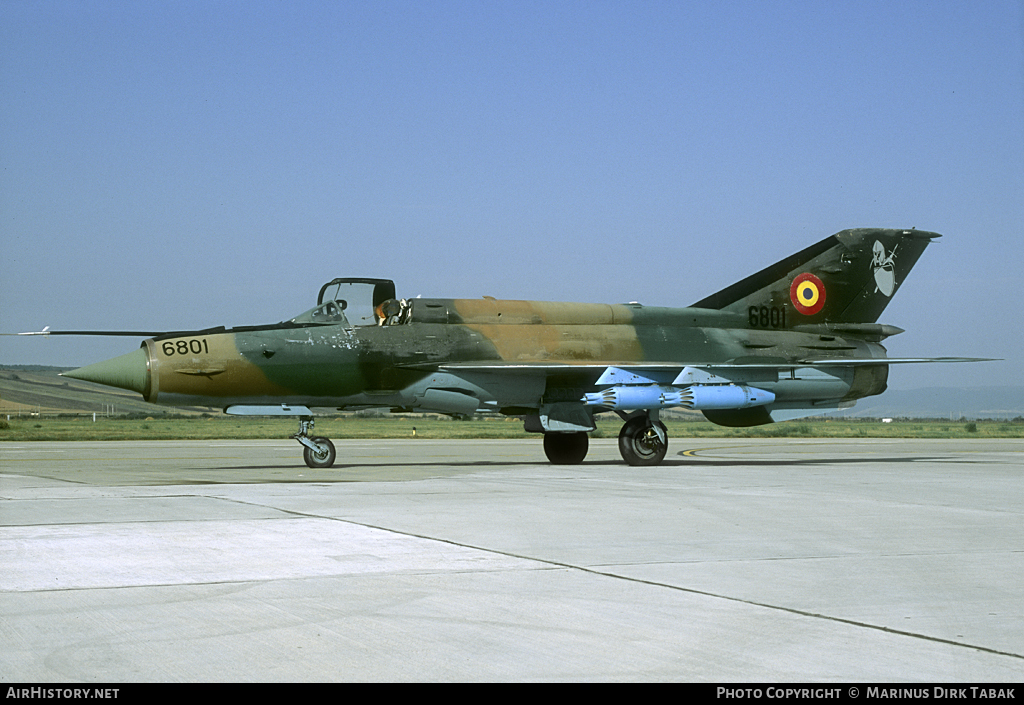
(654,583)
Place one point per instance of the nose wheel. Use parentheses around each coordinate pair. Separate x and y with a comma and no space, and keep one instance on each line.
(317,451)
(323,456)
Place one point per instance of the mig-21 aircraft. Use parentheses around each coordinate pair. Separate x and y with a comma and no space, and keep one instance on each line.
(798,338)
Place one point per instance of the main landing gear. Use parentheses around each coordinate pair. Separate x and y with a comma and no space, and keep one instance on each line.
(317,451)
(643,441)
(566,448)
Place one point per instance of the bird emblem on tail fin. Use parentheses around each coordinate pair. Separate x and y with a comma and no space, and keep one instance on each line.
(884,268)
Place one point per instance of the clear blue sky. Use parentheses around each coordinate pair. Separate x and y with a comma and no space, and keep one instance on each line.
(170,165)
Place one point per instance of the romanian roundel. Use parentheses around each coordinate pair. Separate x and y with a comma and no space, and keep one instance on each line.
(807,293)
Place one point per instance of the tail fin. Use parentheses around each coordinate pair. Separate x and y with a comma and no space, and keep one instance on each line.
(848,277)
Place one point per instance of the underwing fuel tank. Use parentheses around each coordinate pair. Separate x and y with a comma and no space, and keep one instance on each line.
(696,397)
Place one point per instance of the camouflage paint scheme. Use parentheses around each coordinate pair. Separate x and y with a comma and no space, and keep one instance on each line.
(802,332)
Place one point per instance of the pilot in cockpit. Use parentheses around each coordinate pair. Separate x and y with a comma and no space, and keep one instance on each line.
(390,312)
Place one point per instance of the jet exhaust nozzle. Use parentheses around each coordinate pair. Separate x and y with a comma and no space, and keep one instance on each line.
(695,397)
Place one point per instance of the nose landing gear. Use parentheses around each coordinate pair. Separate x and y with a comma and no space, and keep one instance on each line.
(317,451)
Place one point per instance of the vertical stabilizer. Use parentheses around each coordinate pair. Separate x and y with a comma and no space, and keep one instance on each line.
(848,277)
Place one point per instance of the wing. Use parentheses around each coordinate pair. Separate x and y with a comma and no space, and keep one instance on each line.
(616,372)
(731,394)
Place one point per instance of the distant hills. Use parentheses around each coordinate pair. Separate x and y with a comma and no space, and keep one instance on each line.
(36,388)
(944,403)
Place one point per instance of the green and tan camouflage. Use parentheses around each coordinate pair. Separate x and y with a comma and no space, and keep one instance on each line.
(798,338)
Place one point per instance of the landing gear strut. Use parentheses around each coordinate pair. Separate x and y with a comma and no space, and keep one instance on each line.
(317,451)
(643,440)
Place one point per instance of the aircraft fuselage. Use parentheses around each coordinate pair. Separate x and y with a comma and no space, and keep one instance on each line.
(339,365)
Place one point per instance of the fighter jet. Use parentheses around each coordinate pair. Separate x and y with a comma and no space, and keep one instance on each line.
(798,338)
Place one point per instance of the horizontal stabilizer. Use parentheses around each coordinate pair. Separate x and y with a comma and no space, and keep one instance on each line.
(834,361)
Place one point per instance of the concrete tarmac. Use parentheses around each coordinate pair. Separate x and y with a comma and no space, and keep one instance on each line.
(735,560)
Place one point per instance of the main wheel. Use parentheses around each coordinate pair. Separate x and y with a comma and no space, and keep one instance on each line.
(566,448)
(322,458)
(639,443)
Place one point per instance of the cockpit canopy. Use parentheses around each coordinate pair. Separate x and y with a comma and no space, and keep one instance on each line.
(354,302)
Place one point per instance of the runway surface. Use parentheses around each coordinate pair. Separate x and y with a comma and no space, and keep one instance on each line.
(736,560)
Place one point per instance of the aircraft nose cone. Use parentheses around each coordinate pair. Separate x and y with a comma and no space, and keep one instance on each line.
(129,371)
